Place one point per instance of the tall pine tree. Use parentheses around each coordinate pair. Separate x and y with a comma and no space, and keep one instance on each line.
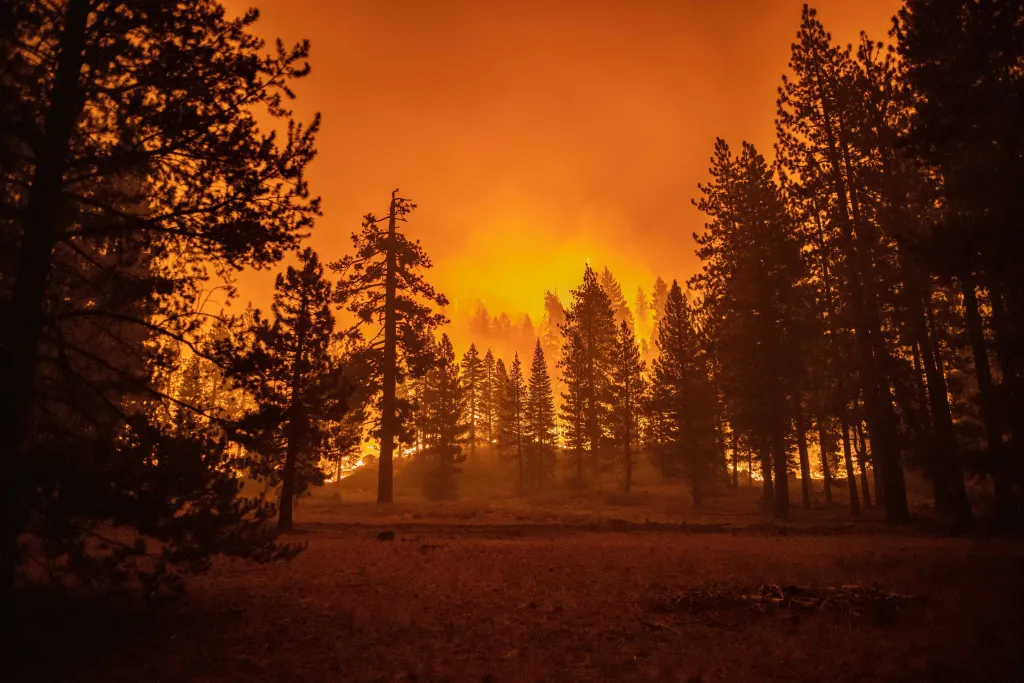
(383,286)
(444,424)
(683,398)
(754,280)
(613,289)
(589,339)
(628,392)
(297,383)
(488,393)
(541,430)
(473,381)
(818,115)
(515,418)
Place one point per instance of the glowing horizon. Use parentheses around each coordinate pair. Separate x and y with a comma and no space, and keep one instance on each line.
(536,137)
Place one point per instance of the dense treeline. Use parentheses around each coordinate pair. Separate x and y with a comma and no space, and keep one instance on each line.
(858,300)
(857,296)
(854,281)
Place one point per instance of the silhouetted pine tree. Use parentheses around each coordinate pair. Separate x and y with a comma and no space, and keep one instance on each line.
(682,398)
(473,381)
(444,423)
(611,287)
(383,285)
(134,172)
(818,115)
(628,390)
(526,335)
(297,384)
(500,397)
(589,338)
(515,420)
(340,441)
(642,315)
(574,402)
(541,430)
(961,66)
(551,337)
(659,294)
(754,277)
(488,405)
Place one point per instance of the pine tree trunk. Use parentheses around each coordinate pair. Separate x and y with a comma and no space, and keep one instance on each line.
(472,423)
(735,457)
(865,455)
(805,463)
(830,309)
(389,372)
(629,436)
(826,472)
(695,478)
(989,411)
(767,489)
(927,421)
(948,478)
(867,333)
(293,430)
(851,478)
(885,453)
(593,404)
(781,463)
(723,463)
(22,327)
(519,458)
(866,490)
(1008,350)
(519,444)
(629,468)
(1005,349)
(287,499)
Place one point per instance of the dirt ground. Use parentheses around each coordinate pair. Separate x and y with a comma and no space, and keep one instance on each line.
(588,586)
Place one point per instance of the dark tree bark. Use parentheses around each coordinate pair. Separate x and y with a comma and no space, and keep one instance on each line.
(781,462)
(851,478)
(767,490)
(864,455)
(948,478)
(287,500)
(629,468)
(735,457)
(25,320)
(867,332)
(805,463)
(1006,351)
(826,472)
(989,409)
(389,372)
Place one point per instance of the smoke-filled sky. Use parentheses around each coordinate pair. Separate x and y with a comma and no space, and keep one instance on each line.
(537,134)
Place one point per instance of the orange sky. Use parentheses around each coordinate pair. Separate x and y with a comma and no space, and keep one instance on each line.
(535,135)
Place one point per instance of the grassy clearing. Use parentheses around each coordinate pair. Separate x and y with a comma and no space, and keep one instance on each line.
(589,586)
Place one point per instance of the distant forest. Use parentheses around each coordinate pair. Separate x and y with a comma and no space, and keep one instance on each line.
(859,312)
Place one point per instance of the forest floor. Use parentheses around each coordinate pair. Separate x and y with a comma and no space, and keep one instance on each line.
(566,586)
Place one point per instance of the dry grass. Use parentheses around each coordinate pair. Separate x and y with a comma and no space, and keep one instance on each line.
(566,586)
